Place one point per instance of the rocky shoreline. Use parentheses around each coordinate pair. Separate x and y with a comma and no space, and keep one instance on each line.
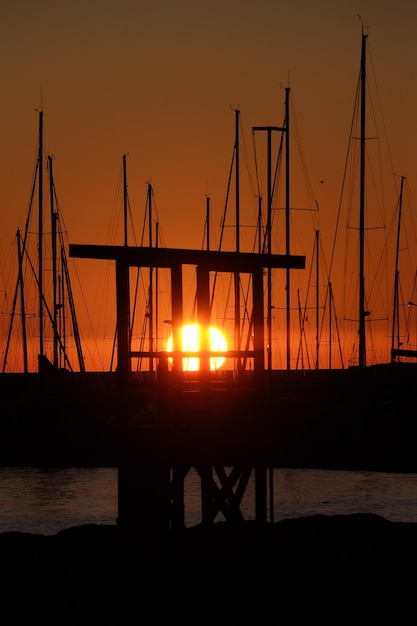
(339,569)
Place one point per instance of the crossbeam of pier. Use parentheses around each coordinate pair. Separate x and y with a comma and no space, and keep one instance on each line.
(219,261)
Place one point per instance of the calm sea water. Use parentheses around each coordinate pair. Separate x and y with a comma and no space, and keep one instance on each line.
(45,501)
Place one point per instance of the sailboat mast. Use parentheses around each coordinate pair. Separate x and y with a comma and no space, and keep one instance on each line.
(124,200)
(287,218)
(150,309)
(317,300)
(236,275)
(269,234)
(40,235)
(54,264)
(156,290)
(395,319)
(362,312)
(208,222)
(330,324)
(22,302)
(237,190)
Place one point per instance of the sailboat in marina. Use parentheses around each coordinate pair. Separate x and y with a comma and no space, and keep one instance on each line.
(373,382)
(365,317)
(49,283)
(240,332)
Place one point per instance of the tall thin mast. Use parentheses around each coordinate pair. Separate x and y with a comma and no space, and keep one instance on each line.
(362,312)
(40,235)
(269,234)
(150,309)
(22,302)
(156,289)
(237,190)
(208,222)
(62,330)
(124,200)
(330,324)
(236,274)
(287,215)
(54,217)
(317,300)
(395,317)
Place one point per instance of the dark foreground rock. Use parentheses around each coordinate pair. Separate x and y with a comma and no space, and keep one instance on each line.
(336,570)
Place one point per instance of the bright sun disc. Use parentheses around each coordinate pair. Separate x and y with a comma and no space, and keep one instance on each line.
(191,343)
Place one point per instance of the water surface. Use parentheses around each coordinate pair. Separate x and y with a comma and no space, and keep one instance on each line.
(45,501)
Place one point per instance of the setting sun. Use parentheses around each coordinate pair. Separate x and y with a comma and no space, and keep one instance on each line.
(191,343)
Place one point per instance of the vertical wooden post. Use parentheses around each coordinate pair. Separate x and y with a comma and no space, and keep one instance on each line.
(206,478)
(259,366)
(126,494)
(143,477)
(258,322)
(177,322)
(177,313)
(204,315)
(123,319)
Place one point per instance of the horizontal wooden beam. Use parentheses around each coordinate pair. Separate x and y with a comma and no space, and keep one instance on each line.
(140,256)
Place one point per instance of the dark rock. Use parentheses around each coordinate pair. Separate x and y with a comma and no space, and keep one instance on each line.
(306,570)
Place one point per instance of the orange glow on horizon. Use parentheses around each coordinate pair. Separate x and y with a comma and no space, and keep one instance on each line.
(191,343)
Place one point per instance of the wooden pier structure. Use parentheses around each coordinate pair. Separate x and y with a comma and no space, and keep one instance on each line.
(219,426)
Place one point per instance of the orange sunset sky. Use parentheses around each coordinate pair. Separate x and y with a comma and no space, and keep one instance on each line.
(160,81)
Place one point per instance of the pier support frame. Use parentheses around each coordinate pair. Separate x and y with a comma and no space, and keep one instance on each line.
(151,483)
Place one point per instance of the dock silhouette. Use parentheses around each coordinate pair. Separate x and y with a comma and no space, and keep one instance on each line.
(151,480)
(154,426)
